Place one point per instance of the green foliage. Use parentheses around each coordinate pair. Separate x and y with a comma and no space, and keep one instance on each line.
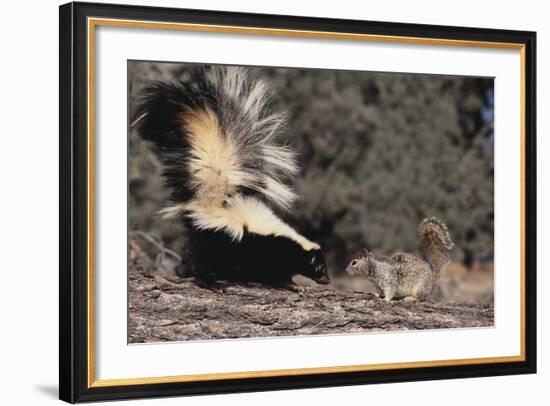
(147,194)
(378,153)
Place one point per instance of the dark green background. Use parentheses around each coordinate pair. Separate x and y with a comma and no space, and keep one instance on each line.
(378,153)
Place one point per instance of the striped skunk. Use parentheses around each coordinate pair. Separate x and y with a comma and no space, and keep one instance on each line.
(217,135)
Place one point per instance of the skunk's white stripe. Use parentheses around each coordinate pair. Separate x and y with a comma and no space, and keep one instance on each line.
(214,162)
(216,168)
(244,212)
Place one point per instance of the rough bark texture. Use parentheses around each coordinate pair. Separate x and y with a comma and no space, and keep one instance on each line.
(168,308)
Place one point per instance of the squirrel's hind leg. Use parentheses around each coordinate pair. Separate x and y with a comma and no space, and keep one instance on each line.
(421,291)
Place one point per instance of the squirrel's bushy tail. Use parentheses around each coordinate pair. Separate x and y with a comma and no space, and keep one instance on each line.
(217,136)
(438,244)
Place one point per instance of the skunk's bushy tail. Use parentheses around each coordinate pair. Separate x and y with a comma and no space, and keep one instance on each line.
(217,135)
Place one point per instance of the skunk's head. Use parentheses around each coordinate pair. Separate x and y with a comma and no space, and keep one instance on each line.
(316,267)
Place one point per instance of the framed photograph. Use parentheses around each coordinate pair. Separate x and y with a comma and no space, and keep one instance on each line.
(257,202)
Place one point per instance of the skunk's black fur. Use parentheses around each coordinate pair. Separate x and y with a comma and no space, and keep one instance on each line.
(270,260)
(217,137)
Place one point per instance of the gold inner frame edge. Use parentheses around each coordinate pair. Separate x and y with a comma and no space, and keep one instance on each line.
(91,25)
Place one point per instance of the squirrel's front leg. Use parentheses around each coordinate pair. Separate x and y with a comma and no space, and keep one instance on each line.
(389,293)
(378,292)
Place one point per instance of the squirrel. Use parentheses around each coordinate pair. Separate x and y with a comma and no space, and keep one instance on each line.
(404,274)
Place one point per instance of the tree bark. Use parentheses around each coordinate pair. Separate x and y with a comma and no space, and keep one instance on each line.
(169,308)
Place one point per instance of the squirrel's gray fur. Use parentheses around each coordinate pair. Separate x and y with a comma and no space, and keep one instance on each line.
(406,275)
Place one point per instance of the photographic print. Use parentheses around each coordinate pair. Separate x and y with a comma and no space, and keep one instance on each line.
(267,202)
(241,192)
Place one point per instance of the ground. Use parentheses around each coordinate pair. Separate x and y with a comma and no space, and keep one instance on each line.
(164,307)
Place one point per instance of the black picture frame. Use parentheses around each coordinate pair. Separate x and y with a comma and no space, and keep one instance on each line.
(74,385)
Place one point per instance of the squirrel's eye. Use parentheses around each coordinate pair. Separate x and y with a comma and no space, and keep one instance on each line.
(354,262)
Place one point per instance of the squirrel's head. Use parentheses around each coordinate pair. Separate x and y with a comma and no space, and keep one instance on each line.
(360,265)
(316,268)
